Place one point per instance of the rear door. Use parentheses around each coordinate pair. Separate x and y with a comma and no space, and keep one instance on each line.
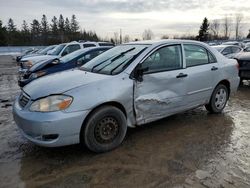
(203,74)
(162,90)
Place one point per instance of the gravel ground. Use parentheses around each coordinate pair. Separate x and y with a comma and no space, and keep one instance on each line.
(192,149)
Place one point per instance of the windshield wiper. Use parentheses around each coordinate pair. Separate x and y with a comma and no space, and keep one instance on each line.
(130,60)
(112,59)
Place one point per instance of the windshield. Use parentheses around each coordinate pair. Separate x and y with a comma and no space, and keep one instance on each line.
(114,60)
(45,50)
(71,56)
(57,50)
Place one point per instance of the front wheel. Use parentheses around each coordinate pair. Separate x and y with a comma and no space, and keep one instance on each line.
(218,99)
(104,130)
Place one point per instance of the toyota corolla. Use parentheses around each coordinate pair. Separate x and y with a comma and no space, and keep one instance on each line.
(127,86)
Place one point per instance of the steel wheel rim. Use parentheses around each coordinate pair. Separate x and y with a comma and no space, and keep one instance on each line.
(106,130)
(220,98)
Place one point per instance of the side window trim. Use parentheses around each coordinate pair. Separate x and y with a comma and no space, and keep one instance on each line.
(159,47)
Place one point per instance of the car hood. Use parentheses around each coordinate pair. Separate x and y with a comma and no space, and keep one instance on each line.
(38,58)
(40,64)
(61,82)
(243,56)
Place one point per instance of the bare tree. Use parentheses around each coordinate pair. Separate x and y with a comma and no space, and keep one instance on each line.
(165,37)
(226,27)
(116,38)
(126,38)
(147,34)
(238,19)
(215,28)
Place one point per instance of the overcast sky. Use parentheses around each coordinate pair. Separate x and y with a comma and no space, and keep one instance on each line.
(169,17)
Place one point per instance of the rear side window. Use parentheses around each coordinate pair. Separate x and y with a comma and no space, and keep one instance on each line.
(197,55)
(106,44)
(236,49)
(88,45)
(164,59)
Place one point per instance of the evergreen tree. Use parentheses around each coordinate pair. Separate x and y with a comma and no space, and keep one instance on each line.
(25,27)
(3,34)
(44,25)
(12,31)
(203,32)
(74,24)
(44,29)
(25,34)
(54,26)
(61,27)
(11,27)
(67,26)
(35,29)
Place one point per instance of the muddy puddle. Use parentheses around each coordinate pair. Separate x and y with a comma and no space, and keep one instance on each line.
(192,149)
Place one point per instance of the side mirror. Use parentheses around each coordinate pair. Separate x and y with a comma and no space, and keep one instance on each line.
(138,72)
(79,62)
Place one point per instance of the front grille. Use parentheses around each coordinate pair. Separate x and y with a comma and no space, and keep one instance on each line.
(23,100)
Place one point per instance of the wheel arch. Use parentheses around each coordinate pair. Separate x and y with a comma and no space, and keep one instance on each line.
(110,103)
(226,83)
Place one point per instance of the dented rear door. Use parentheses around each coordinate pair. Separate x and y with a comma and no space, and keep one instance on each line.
(162,91)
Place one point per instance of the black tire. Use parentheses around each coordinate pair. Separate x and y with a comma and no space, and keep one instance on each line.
(105,129)
(218,99)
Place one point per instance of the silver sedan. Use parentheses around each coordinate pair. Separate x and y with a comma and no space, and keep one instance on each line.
(127,86)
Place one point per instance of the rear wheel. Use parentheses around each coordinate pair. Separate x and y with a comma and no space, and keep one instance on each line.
(218,99)
(105,129)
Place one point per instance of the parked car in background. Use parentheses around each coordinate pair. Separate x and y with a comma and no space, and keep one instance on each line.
(247,49)
(229,51)
(244,65)
(126,86)
(26,52)
(59,51)
(72,60)
(43,51)
(235,43)
(87,44)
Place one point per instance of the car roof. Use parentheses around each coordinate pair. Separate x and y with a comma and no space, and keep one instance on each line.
(165,41)
(226,45)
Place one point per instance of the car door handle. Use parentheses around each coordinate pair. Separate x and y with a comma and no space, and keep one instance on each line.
(181,75)
(214,68)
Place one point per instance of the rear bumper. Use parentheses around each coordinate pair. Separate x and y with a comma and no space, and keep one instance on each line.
(51,129)
(234,84)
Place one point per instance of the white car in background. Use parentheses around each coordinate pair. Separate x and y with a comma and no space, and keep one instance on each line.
(229,51)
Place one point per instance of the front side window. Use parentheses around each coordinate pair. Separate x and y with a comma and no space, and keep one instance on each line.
(164,59)
(226,51)
(195,55)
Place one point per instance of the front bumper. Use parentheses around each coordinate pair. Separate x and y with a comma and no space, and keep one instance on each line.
(50,129)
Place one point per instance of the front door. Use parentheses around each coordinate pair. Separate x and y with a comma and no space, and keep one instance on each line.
(162,90)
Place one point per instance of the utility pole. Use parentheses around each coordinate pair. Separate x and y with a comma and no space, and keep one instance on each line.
(120,36)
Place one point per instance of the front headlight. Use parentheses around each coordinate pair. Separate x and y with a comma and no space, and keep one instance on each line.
(51,103)
(27,64)
(37,74)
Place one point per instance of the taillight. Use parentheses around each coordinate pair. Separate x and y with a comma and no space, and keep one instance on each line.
(238,66)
